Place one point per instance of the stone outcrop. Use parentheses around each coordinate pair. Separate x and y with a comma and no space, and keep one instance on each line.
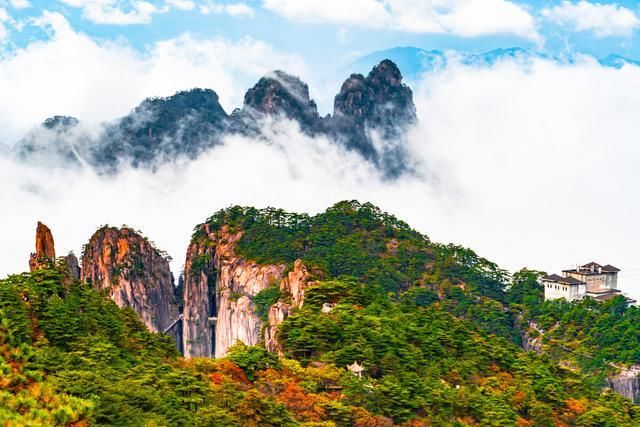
(45,248)
(72,266)
(133,273)
(218,294)
(627,383)
(371,115)
(293,288)
(378,106)
(281,94)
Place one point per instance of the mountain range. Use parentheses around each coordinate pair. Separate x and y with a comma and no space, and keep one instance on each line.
(372,114)
(414,61)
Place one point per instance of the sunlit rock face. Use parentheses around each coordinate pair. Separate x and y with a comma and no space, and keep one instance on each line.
(45,248)
(133,273)
(627,383)
(218,294)
(292,289)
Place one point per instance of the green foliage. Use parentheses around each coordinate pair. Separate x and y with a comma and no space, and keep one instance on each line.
(437,329)
(349,239)
(265,299)
(591,333)
(252,359)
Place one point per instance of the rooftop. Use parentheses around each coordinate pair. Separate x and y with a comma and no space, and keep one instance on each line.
(564,280)
(593,268)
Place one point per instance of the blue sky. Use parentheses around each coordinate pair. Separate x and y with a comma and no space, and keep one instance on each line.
(330,33)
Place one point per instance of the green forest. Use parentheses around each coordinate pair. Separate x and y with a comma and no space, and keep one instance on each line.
(438,329)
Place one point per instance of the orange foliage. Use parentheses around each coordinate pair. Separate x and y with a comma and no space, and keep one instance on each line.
(521,422)
(231,370)
(304,405)
(576,406)
(374,421)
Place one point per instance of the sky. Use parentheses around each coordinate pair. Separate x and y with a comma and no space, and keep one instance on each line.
(530,163)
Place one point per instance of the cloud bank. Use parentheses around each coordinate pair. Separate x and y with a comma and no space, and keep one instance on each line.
(466,18)
(603,20)
(99,80)
(529,163)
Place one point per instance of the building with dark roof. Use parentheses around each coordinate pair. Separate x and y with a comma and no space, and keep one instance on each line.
(592,280)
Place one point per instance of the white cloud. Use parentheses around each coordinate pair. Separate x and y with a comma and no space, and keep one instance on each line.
(5,18)
(182,4)
(466,18)
(234,9)
(98,81)
(20,4)
(531,161)
(603,19)
(115,12)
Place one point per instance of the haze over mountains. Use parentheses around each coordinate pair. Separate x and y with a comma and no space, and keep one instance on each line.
(371,117)
(414,61)
(489,143)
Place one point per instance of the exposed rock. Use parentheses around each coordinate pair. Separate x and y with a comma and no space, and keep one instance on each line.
(371,115)
(134,274)
(278,313)
(295,284)
(218,294)
(293,288)
(530,343)
(281,94)
(73,266)
(162,130)
(627,383)
(45,248)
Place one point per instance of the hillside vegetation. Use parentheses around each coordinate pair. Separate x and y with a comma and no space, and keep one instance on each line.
(437,328)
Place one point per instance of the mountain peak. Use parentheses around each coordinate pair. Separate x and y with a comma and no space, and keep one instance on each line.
(281,94)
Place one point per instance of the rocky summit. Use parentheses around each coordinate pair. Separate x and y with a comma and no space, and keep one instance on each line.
(125,265)
(371,116)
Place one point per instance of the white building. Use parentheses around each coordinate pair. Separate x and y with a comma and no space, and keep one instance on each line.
(589,280)
(569,288)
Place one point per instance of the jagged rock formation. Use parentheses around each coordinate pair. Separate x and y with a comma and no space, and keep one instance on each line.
(627,383)
(280,94)
(73,266)
(218,294)
(371,116)
(377,106)
(134,274)
(293,288)
(45,248)
(164,129)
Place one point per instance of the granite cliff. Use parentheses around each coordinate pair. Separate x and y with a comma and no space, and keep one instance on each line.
(218,293)
(45,248)
(134,274)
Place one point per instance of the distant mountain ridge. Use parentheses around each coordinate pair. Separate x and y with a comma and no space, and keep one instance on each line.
(369,109)
(414,61)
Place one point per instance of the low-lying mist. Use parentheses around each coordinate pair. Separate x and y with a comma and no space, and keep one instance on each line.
(530,164)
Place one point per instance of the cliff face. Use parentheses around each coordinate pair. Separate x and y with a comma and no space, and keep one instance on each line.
(134,274)
(279,93)
(372,114)
(218,294)
(627,383)
(292,287)
(45,248)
